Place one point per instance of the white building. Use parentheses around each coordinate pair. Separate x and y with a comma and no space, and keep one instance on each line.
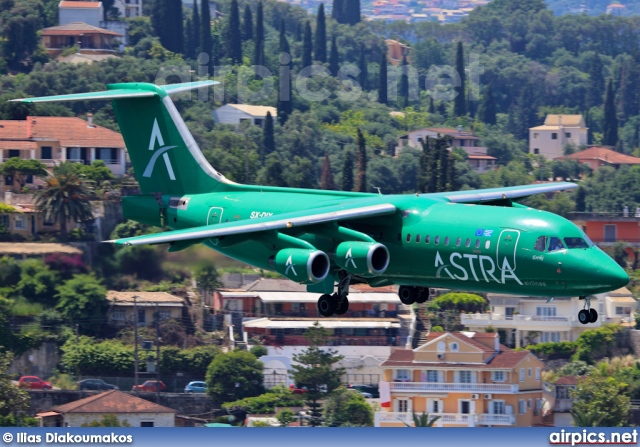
(549,139)
(88,12)
(129,8)
(238,113)
(530,320)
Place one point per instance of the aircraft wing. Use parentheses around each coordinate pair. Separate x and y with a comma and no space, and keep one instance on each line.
(512,192)
(276,222)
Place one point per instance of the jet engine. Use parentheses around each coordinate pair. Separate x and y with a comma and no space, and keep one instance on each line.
(302,266)
(362,258)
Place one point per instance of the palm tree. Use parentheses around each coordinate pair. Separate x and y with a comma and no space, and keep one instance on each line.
(423,420)
(64,197)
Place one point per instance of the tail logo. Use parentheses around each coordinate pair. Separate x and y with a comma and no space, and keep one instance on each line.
(156,135)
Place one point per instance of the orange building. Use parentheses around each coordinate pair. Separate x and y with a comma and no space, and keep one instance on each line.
(468,379)
(605,229)
(597,157)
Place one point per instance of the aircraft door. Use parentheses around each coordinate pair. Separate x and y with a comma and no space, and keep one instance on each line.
(506,249)
(215,215)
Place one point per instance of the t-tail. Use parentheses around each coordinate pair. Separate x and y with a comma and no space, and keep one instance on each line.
(165,157)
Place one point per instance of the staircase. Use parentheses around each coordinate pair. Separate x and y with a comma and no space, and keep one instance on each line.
(423,325)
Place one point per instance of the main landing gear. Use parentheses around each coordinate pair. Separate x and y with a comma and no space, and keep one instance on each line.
(409,294)
(587,315)
(338,303)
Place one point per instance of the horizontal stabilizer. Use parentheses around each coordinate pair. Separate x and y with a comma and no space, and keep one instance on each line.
(123,91)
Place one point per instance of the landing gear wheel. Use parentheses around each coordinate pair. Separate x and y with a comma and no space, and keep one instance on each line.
(584,316)
(341,306)
(407,294)
(326,305)
(594,315)
(423,295)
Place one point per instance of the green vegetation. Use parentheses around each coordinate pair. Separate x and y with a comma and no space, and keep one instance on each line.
(236,374)
(600,401)
(266,403)
(347,408)
(13,400)
(591,345)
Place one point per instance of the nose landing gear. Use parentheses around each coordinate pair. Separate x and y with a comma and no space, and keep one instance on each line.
(587,315)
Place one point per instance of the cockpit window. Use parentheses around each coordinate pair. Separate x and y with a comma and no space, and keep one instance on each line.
(575,242)
(555,244)
(541,243)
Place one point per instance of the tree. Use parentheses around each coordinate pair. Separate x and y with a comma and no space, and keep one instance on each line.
(326,181)
(13,400)
(596,83)
(19,28)
(307,46)
(38,282)
(460,101)
(20,170)
(337,11)
(382,79)
(284,42)
(64,197)
(234,375)
(285,97)
(208,278)
(196,24)
(610,124)
(423,420)
(189,39)
(404,82)
(285,417)
(206,40)
(361,178)
(351,12)
(247,23)
(600,401)
(347,407)
(233,38)
(334,57)
(83,300)
(166,17)
(108,420)
(268,140)
(272,172)
(363,77)
(315,369)
(487,107)
(347,171)
(320,49)
(258,49)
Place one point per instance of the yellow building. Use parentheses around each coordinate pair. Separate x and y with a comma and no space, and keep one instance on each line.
(466,378)
(127,307)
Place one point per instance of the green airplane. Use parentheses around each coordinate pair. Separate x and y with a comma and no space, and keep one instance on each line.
(481,241)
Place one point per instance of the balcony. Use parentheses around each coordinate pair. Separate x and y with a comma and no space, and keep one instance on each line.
(458,419)
(428,387)
(525,322)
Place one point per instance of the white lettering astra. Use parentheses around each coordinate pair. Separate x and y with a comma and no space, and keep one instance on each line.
(453,263)
(486,265)
(507,272)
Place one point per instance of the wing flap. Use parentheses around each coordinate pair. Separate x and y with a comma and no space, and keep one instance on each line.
(277,222)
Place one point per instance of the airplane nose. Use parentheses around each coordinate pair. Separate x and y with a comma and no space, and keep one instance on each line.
(614,275)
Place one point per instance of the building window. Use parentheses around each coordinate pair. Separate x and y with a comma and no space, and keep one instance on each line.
(538,374)
(623,310)
(258,122)
(498,407)
(464,377)
(8,180)
(550,336)
(521,374)
(117,315)
(19,222)
(522,404)
(142,316)
(567,134)
(146,424)
(529,372)
(403,405)
(546,311)
(529,402)
(402,375)
(432,376)
(610,233)
(45,153)
(536,135)
(164,314)
(536,150)
(554,136)
(498,376)
(5,223)
(441,346)
(453,347)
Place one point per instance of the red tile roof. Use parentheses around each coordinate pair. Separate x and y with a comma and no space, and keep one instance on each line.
(76,29)
(502,360)
(461,337)
(604,154)
(567,380)
(69,131)
(112,402)
(74,4)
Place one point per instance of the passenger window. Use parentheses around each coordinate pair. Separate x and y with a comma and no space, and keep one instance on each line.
(487,244)
(437,241)
(417,238)
(446,240)
(427,239)
(477,243)
(458,242)
(575,242)
(541,243)
(555,244)
(467,243)
(408,237)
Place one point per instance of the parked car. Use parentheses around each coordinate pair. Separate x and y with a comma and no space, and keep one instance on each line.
(96,384)
(34,383)
(297,389)
(150,385)
(196,387)
(365,394)
(366,389)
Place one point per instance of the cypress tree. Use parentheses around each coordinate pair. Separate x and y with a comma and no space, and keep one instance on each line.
(363,77)
(596,84)
(320,49)
(284,42)
(247,23)
(610,125)
(347,171)
(351,12)
(268,140)
(258,51)
(166,18)
(432,107)
(206,41)
(361,179)
(326,179)
(336,12)
(189,45)
(460,101)
(233,38)
(334,58)
(404,82)
(487,108)
(382,79)
(285,99)
(307,46)
(159,19)
(195,22)
(298,33)
(581,197)
(628,89)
